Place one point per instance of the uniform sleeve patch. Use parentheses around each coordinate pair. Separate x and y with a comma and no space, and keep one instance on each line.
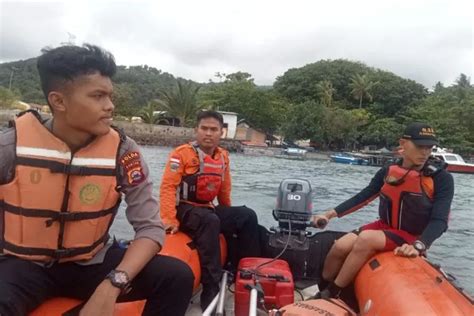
(175,162)
(132,164)
(174,166)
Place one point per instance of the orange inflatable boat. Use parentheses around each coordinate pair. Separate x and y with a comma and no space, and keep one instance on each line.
(330,307)
(178,245)
(386,285)
(391,285)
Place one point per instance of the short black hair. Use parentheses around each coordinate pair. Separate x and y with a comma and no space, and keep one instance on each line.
(57,66)
(210,114)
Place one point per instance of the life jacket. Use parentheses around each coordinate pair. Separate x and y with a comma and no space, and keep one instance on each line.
(60,205)
(406,206)
(203,186)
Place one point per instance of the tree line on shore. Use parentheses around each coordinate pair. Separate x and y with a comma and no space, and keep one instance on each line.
(336,104)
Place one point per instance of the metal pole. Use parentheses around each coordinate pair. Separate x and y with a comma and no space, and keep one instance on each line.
(253,302)
(211,306)
(221,300)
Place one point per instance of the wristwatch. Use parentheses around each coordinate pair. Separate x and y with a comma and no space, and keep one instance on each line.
(419,246)
(120,280)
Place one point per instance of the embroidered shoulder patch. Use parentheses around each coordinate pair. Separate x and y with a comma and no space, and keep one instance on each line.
(132,165)
(174,163)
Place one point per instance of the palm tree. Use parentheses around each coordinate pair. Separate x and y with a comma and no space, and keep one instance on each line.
(148,114)
(361,86)
(463,81)
(180,102)
(325,92)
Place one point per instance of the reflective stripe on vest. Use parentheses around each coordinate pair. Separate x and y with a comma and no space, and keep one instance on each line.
(203,186)
(48,153)
(407,206)
(60,205)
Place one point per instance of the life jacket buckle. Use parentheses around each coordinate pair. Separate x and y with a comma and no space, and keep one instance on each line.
(62,253)
(62,217)
(77,170)
(69,169)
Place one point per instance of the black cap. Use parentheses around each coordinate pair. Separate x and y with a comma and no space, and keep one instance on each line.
(421,134)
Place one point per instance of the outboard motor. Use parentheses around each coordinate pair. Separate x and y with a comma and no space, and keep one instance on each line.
(293,212)
(291,240)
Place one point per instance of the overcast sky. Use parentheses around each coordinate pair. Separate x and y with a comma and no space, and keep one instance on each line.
(427,41)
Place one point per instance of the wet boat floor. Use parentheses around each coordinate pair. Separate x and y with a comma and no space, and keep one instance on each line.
(194,308)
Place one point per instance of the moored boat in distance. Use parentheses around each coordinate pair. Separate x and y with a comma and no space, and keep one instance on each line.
(455,162)
(292,153)
(348,158)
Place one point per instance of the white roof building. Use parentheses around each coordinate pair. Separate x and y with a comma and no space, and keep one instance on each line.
(230,124)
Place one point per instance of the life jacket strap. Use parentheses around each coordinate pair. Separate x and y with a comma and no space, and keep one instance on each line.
(55,254)
(57,216)
(58,167)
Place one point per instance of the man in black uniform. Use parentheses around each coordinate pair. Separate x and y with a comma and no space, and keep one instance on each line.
(415,199)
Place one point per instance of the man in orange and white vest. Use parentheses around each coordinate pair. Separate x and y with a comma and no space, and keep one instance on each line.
(415,199)
(195,175)
(61,182)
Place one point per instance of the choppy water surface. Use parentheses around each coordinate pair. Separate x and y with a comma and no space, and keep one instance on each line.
(255,183)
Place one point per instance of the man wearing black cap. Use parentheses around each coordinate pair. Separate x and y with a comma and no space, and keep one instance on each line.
(415,199)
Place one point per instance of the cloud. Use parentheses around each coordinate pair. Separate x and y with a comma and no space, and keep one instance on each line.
(427,41)
(26,27)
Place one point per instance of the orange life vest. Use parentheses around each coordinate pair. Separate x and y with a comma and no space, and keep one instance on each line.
(60,205)
(203,186)
(407,205)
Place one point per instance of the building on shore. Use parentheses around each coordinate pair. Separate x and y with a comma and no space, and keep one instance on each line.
(249,135)
(230,124)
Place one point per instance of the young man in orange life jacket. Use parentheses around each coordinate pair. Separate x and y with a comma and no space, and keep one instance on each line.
(61,182)
(415,199)
(194,176)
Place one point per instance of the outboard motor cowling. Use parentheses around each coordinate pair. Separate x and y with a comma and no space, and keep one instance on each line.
(293,212)
(294,203)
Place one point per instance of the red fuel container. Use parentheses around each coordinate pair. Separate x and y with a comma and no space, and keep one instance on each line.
(275,278)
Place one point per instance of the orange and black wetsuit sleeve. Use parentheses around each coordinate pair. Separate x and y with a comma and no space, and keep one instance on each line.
(364,197)
(172,174)
(224,195)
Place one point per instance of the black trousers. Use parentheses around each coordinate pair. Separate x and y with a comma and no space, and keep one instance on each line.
(239,225)
(166,283)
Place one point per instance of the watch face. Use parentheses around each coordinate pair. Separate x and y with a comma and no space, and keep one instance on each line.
(419,246)
(120,277)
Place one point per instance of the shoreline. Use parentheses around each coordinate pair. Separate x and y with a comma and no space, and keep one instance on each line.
(172,136)
(144,134)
